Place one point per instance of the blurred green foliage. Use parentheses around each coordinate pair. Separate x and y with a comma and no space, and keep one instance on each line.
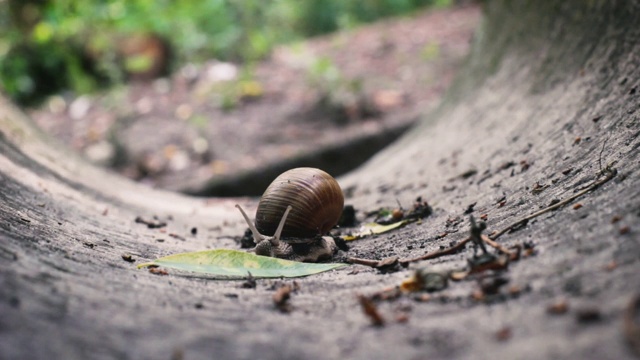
(49,45)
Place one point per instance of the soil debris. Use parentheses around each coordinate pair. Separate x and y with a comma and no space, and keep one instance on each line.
(370,309)
(402,317)
(158,271)
(610,266)
(127,257)
(250,282)
(631,324)
(151,224)
(385,265)
(587,315)
(485,262)
(176,236)
(246,241)
(538,188)
(425,280)
(503,334)
(467,174)
(514,290)
(469,208)
(558,307)
(281,298)
(420,209)
(348,217)
(490,285)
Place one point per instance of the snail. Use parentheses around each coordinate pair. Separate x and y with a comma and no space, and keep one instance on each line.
(295,211)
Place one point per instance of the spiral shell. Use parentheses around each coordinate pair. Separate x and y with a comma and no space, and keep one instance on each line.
(316,199)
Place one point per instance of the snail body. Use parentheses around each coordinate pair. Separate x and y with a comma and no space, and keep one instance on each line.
(299,206)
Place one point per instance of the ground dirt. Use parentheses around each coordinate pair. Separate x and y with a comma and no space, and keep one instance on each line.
(546,108)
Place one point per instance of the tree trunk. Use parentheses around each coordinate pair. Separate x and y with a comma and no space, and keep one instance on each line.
(547,103)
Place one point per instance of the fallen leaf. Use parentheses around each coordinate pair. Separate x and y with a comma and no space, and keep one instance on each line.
(373,229)
(237,264)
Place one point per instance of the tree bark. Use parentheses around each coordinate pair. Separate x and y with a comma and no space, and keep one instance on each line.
(547,102)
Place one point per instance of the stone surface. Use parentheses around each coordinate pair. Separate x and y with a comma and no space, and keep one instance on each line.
(548,98)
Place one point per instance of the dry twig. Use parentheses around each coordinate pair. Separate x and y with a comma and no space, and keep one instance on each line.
(609,174)
(436,254)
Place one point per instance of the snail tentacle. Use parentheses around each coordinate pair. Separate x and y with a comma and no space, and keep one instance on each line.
(257,237)
(272,243)
(276,237)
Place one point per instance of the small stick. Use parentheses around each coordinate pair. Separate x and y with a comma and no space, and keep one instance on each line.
(610,175)
(436,254)
(495,245)
(366,262)
(600,156)
(386,262)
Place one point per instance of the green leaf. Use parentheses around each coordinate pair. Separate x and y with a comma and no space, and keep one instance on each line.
(42,32)
(234,263)
(373,229)
(138,63)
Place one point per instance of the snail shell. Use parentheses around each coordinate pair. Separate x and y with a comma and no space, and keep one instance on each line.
(315,197)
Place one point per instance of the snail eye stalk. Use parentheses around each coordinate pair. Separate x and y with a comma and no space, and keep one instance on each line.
(276,236)
(256,235)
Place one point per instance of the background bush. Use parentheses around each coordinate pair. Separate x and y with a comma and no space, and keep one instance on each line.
(50,45)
